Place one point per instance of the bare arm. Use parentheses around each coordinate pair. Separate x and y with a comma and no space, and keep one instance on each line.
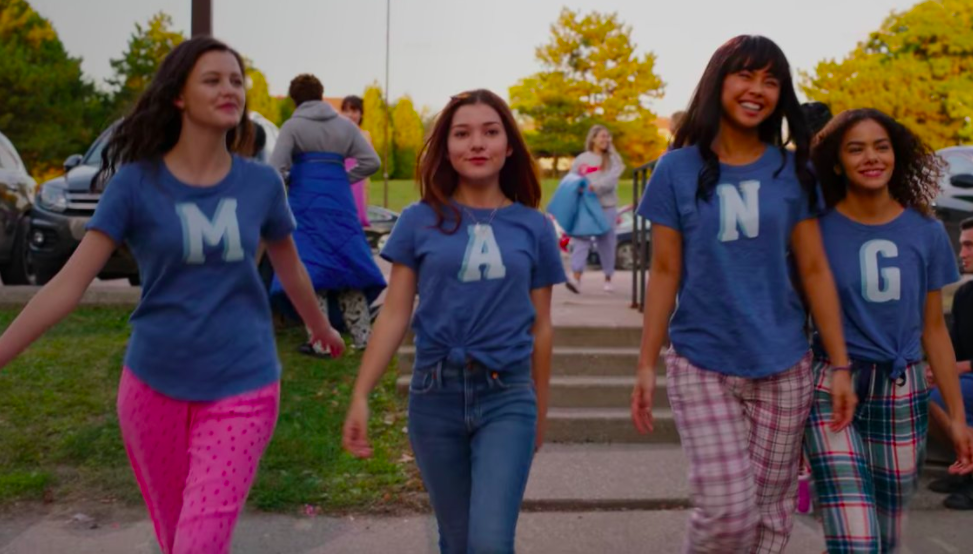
(664,277)
(59,297)
(942,359)
(822,295)
(296,283)
(543,332)
(393,322)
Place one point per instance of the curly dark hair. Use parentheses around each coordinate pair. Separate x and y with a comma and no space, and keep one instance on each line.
(153,126)
(917,173)
(305,88)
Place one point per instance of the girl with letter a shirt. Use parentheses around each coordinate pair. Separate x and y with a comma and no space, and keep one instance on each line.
(726,205)
(199,393)
(890,258)
(483,261)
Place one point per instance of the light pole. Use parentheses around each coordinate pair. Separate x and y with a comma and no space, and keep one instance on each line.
(388,115)
(202,17)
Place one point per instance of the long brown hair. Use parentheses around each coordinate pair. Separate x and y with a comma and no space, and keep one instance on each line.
(915,178)
(438,179)
(155,123)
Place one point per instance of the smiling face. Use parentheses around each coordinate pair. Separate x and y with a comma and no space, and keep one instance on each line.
(749,97)
(477,145)
(866,157)
(601,141)
(214,94)
(353,114)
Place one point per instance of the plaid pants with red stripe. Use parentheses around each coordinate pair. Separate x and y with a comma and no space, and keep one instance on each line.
(743,440)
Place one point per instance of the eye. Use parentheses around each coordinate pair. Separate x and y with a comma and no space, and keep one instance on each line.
(460,134)
(772,83)
(493,132)
(745,74)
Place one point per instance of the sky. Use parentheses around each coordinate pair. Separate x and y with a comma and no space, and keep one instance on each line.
(441,47)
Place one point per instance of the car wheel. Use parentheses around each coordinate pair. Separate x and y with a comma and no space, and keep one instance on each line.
(625,256)
(43,274)
(19,270)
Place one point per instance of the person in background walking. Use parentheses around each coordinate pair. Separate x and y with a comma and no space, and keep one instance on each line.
(602,166)
(199,393)
(353,107)
(483,261)
(726,205)
(311,149)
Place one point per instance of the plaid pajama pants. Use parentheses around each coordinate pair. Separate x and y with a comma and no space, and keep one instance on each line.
(865,475)
(743,440)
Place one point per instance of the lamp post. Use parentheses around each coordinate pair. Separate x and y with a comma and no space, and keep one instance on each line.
(388,115)
(202,17)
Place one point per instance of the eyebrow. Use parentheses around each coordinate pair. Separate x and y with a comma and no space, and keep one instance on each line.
(862,143)
(488,123)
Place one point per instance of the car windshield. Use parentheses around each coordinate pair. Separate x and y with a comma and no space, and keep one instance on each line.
(93,157)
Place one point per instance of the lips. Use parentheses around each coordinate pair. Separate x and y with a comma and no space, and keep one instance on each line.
(478,160)
(751,106)
(229,106)
(872,173)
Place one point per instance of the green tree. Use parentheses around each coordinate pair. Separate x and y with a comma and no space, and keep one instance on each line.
(376,116)
(407,137)
(258,94)
(918,68)
(591,72)
(147,47)
(47,108)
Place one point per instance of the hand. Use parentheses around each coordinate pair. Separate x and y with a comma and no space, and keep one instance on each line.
(355,434)
(843,400)
(329,340)
(930,376)
(642,400)
(962,437)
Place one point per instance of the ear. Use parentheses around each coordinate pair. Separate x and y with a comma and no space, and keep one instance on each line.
(179,102)
(510,151)
(838,170)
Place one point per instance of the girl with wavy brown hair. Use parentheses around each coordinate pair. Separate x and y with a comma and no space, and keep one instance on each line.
(483,261)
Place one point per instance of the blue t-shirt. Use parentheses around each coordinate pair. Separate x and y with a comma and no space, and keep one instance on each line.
(474,285)
(202,330)
(883,273)
(737,312)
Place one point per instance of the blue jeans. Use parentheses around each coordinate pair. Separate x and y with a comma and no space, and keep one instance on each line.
(472,431)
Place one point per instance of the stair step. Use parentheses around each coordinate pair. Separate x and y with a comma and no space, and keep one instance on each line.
(578,425)
(571,360)
(584,392)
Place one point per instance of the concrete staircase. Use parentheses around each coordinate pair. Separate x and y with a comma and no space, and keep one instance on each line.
(591,385)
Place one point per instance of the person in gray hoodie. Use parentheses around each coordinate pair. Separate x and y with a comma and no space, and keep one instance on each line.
(310,154)
(607,166)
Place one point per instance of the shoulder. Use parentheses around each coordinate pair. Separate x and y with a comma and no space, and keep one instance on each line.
(531,216)
(418,211)
(929,224)
(258,176)
(680,156)
(130,175)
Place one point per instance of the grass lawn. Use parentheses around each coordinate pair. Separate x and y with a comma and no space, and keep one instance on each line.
(59,436)
(404,192)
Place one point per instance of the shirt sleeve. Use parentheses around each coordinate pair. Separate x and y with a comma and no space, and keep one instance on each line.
(659,203)
(281,157)
(363,152)
(548,269)
(113,216)
(942,269)
(279,223)
(401,245)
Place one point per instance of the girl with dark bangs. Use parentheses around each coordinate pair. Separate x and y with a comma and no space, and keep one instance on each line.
(483,261)
(727,203)
(200,389)
(891,259)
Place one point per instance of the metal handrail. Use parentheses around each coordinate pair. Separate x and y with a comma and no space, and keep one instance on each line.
(640,239)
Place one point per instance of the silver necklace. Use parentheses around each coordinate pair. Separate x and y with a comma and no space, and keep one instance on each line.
(478,227)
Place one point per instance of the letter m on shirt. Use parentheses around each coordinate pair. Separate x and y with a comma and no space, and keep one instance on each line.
(197,229)
(739,212)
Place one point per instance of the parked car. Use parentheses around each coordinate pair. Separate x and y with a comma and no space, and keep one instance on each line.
(65,204)
(625,248)
(382,221)
(955,202)
(16,202)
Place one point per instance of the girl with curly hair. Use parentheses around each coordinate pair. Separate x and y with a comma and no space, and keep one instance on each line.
(890,259)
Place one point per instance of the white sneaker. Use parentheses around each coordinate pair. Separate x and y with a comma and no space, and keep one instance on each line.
(609,287)
(573,285)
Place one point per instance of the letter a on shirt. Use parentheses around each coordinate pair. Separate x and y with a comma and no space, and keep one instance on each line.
(482,259)
(880,285)
(197,229)
(739,213)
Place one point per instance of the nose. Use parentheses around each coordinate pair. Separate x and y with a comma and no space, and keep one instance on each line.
(476,141)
